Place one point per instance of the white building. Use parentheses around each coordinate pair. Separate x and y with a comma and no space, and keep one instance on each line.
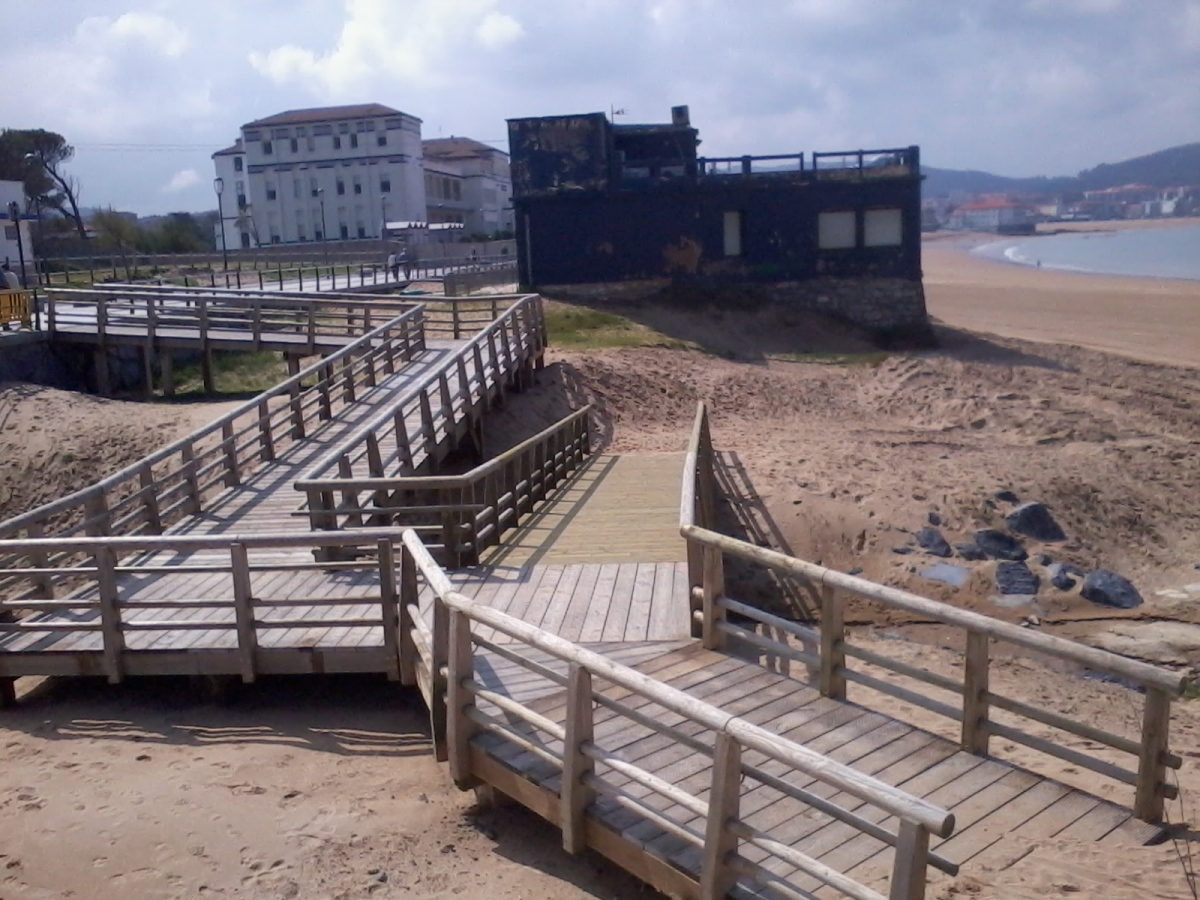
(11,248)
(468,183)
(336,172)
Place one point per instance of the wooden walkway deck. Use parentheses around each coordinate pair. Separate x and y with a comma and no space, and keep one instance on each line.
(600,566)
(999,808)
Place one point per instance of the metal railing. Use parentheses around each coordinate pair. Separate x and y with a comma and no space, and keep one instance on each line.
(827,650)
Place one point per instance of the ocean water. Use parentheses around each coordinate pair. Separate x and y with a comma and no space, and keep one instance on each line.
(1142,253)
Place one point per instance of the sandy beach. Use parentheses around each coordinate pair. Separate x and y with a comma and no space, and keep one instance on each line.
(1076,390)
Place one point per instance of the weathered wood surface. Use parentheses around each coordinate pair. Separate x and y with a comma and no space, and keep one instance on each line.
(616,508)
(999,807)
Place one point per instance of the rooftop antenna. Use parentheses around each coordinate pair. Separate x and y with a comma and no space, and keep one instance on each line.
(613,112)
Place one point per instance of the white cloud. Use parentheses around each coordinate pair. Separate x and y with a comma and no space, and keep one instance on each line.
(498,30)
(156,32)
(181,181)
(414,43)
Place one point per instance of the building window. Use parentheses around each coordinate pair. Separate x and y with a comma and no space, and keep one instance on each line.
(312,186)
(381,139)
(312,144)
(270,191)
(357,185)
(237,164)
(337,142)
(385,186)
(345,231)
(300,233)
(241,201)
(341,186)
(296,188)
(733,232)
(836,230)
(362,231)
(275,239)
(295,146)
(267,148)
(354,142)
(883,228)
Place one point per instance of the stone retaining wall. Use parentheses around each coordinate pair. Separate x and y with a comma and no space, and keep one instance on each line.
(892,310)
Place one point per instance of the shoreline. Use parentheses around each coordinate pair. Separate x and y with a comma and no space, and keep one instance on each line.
(1146,318)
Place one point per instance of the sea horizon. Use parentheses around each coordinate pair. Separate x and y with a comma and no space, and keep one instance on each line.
(1172,253)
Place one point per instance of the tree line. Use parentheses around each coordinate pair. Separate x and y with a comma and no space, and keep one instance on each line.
(37,158)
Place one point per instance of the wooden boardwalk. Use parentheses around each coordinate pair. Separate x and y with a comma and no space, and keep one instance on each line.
(563,671)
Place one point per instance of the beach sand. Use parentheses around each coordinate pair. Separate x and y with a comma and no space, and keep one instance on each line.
(325,788)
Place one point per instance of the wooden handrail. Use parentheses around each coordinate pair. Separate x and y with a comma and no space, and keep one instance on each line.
(709,606)
(382,420)
(78,498)
(449,663)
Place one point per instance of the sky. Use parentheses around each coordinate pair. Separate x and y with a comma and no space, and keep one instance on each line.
(147,90)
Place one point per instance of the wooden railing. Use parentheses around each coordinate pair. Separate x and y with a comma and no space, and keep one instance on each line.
(16,308)
(234,617)
(442,660)
(458,516)
(149,313)
(412,434)
(176,481)
(827,650)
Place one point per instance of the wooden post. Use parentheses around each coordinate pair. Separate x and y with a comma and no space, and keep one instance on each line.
(298,432)
(265,436)
(389,599)
(243,606)
(454,318)
(206,370)
(95,508)
(576,796)
(353,513)
(447,401)
(427,421)
(103,384)
(166,373)
(110,614)
(714,589)
(437,679)
(40,559)
(975,695)
(717,877)
(1152,771)
(347,373)
(325,405)
(188,452)
(150,499)
(912,858)
(409,595)
(833,650)
(460,729)
(695,567)
(233,475)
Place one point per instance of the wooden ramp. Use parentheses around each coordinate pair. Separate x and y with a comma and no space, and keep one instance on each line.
(616,508)
(999,808)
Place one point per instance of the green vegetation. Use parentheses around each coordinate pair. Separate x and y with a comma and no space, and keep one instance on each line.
(869,358)
(234,373)
(578,327)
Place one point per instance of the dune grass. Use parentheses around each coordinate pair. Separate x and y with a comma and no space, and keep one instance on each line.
(582,328)
(234,373)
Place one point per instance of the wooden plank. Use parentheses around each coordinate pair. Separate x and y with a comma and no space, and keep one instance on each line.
(619,606)
(570,626)
(601,599)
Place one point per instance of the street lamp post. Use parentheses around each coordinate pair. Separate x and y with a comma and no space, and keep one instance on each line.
(219,187)
(324,233)
(14,215)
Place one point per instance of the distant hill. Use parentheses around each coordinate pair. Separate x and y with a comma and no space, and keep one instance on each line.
(1166,168)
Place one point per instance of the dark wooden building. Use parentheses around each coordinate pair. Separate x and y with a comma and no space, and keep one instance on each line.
(597,202)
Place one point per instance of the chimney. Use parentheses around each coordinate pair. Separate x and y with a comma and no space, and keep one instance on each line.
(680,117)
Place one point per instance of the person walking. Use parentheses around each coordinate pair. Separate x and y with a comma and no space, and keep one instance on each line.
(391,266)
(11,281)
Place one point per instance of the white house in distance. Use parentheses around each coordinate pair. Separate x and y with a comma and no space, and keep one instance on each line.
(468,183)
(330,173)
(10,248)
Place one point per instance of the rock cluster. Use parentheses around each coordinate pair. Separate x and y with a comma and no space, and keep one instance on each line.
(1016,581)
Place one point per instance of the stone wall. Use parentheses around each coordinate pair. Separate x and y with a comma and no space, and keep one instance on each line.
(892,310)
